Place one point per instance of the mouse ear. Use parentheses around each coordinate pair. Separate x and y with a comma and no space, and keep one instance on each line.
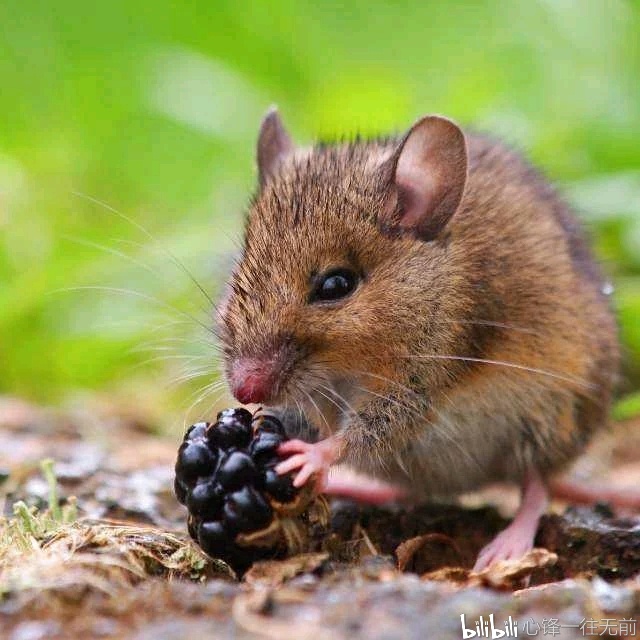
(428,170)
(274,145)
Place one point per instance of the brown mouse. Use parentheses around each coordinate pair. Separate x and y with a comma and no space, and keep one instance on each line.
(430,303)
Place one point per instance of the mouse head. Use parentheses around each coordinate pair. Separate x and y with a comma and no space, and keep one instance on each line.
(332,278)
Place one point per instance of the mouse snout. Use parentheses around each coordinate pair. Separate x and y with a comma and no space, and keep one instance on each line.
(253,380)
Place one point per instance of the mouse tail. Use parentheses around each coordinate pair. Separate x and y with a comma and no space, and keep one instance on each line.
(576,492)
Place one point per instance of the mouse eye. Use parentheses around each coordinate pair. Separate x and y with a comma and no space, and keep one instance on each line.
(334,285)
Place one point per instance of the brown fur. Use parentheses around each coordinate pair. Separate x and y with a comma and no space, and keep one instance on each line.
(509,279)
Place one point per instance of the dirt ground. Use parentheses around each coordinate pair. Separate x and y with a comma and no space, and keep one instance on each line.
(112,559)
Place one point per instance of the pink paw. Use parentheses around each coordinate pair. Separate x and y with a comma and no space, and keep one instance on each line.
(511,544)
(309,459)
(314,460)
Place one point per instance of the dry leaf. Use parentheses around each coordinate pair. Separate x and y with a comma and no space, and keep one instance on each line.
(510,573)
(273,573)
(458,575)
(406,551)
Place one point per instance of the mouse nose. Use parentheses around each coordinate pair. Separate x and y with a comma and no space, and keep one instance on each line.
(252,380)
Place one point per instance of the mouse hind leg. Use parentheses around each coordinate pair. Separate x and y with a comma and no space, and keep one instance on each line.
(550,439)
(514,541)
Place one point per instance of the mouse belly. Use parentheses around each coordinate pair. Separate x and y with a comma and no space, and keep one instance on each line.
(466,445)
(442,462)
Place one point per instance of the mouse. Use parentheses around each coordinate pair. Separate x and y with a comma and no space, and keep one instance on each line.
(431,304)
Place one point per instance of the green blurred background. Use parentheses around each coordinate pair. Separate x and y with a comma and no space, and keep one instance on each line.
(127,134)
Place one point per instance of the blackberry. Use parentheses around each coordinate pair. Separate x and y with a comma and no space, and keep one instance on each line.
(240,509)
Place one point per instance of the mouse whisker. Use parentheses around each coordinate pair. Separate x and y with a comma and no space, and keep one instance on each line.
(401,464)
(148,344)
(488,323)
(185,358)
(345,408)
(169,324)
(176,261)
(440,426)
(112,251)
(166,350)
(213,384)
(299,409)
(193,374)
(449,430)
(169,353)
(413,408)
(209,387)
(159,348)
(207,413)
(511,365)
(317,408)
(124,256)
(389,380)
(196,340)
(340,407)
(204,392)
(143,296)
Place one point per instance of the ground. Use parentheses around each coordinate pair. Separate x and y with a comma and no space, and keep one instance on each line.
(106,554)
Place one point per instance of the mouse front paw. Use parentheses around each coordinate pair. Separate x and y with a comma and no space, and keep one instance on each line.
(311,460)
(315,460)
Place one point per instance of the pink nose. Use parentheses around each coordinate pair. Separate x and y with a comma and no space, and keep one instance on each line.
(252,380)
